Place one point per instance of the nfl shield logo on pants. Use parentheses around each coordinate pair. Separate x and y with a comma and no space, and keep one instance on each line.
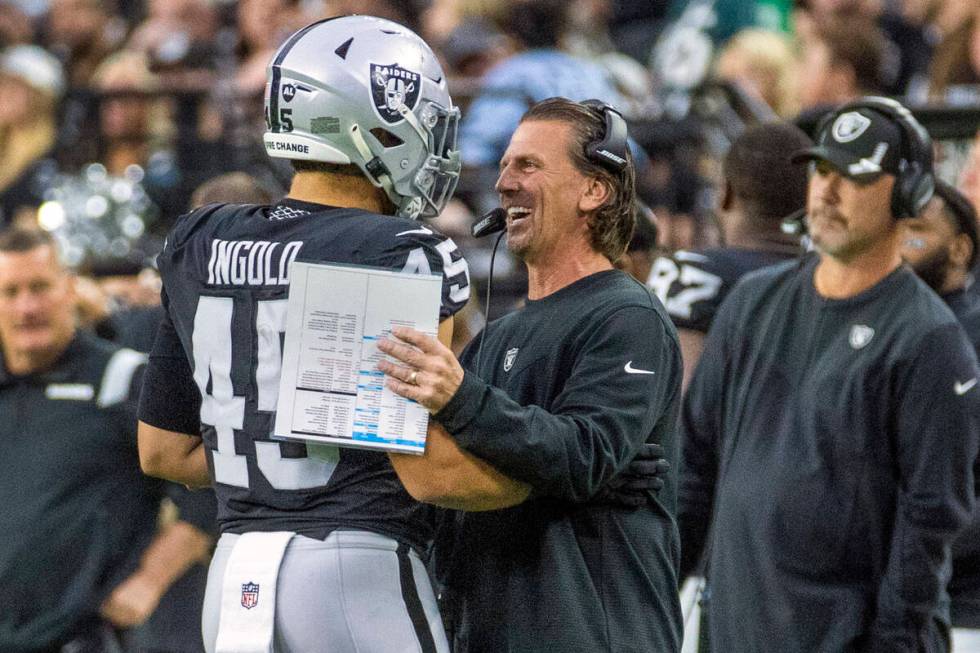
(250,595)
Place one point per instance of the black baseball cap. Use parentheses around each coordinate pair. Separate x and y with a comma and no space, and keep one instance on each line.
(861,143)
(963,214)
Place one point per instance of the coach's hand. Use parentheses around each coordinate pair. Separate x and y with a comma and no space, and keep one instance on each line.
(132,601)
(430,373)
(632,486)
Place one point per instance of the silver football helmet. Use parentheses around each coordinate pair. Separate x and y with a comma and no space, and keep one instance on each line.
(366,91)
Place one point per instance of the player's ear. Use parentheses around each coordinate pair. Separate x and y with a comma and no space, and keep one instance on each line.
(595,194)
(960,250)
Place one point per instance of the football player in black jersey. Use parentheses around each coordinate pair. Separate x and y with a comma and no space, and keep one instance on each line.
(761,188)
(942,246)
(360,106)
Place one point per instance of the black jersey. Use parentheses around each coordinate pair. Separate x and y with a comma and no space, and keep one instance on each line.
(964,586)
(225,287)
(692,285)
(835,439)
(560,395)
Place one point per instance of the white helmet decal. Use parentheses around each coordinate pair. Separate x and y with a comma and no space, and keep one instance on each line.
(392,86)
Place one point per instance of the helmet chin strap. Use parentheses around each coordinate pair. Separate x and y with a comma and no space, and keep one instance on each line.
(377,172)
(409,207)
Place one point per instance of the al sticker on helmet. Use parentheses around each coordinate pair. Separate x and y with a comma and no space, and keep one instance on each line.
(392,86)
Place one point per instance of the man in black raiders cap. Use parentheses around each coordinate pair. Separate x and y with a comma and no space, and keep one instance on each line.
(830,431)
(942,246)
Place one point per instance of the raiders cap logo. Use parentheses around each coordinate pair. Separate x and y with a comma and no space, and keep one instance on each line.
(391,87)
(849,126)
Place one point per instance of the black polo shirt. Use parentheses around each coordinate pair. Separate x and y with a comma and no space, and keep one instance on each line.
(76,511)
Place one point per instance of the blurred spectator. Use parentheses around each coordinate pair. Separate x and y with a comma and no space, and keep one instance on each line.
(635,26)
(81,555)
(729,17)
(970,176)
(405,12)
(474,46)
(842,61)
(32,83)
(262,27)
(954,76)
(138,136)
(15,26)
(906,45)
(83,33)
(760,188)
(540,70)
(588,37)
(175,34)
(764,65)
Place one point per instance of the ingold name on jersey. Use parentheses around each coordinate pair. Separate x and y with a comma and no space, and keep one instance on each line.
(251,262)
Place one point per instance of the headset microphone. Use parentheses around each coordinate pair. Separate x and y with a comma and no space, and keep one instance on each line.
(794,224)
(491,222)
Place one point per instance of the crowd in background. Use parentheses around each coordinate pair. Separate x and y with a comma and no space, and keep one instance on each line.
(114,112)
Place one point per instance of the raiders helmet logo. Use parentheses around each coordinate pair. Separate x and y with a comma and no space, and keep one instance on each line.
(288,92)
(509,358)
(849,126)
(391,87)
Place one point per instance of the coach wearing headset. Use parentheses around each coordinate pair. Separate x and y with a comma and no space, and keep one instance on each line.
(560,396)
(831,427)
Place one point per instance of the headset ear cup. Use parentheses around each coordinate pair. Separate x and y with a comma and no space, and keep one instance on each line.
(913,190)
(901,203)
(922,191)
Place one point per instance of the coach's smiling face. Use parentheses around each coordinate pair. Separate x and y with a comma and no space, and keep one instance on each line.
(542,191)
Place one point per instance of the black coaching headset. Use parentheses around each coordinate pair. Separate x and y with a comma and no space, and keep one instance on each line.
(610,151)
(915,181)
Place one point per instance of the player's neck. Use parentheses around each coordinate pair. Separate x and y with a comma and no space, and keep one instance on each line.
(348,191)
(549,274)
(738,232)
(838,279)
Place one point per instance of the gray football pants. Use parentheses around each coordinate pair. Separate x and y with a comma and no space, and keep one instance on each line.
(355,592)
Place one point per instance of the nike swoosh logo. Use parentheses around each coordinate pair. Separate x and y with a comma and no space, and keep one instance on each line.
(633,370)
(962,388)
(423,231)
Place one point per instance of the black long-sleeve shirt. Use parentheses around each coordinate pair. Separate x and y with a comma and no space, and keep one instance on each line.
(562,396)
(834,440)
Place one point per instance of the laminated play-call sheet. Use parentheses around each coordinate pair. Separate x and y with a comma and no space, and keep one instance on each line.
(331,391)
